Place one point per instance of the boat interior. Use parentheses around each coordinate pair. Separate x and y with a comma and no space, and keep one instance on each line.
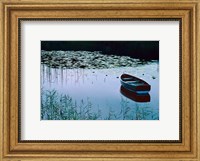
(135,83)
(128,79)
(132,81)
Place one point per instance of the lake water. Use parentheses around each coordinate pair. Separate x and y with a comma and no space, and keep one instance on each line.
(96,93)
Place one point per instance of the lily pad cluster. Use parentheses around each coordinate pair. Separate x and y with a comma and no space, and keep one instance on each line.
(85,59)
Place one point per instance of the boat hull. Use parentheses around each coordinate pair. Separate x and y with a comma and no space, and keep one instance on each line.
(135,84)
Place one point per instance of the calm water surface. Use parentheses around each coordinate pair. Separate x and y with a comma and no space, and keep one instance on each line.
(101,88)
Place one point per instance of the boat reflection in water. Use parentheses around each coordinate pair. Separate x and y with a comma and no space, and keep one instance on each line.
(134,96)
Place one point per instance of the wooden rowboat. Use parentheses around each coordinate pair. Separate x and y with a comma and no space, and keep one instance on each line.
(135,84)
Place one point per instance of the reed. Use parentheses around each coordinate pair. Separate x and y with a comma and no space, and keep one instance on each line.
(55,106)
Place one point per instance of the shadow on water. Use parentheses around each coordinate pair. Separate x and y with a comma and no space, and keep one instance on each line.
(134,96)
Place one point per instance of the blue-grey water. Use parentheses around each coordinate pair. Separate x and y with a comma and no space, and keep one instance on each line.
(101,89)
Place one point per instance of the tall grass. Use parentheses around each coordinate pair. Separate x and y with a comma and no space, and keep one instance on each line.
(140,111)
(55,106)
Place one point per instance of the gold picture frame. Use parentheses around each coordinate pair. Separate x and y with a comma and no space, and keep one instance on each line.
(13,10)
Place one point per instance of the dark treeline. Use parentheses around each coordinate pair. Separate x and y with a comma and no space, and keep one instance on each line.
(136,49)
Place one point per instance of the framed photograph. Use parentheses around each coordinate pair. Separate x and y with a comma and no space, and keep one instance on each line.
(80,80)
(99,80)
